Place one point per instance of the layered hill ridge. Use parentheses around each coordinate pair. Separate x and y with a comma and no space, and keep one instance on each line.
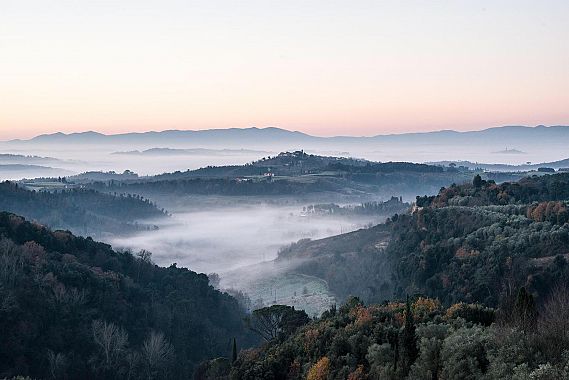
(83,211)
(297,173)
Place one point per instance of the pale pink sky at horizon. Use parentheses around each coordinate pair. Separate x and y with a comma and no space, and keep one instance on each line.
(322,67)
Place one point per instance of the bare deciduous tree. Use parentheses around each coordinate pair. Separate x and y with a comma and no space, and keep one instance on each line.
(57,363)
(71,297)
(144,257)
(111,340)
(132,360)
(157,352)
(553,323)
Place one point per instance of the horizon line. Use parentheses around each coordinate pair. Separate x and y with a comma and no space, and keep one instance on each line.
(277,128)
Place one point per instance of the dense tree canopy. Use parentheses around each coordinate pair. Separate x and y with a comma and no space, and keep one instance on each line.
(74,308)
(85,212)
(416,340)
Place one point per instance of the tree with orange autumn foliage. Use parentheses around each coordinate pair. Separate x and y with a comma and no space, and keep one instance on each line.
(320,370)
(358,374)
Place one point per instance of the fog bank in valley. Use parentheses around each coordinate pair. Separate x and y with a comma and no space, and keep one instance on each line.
(224,239)
(240,242)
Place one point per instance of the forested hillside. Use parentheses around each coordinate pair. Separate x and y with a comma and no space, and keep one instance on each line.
(483,193)
(74,308)
(485,267)
(226,186)
(418,339)
(85,212)
(476,242)
(284,164)
(351,264)
(293,174)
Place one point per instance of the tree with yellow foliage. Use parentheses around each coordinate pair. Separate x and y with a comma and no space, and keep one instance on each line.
(320,370)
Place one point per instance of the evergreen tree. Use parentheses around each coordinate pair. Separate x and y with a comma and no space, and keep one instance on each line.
(408,339)
(234,351)
(477,181)
(525,312)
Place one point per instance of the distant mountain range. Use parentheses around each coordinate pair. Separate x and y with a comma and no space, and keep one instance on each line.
(191,152)
(509,135)
(176,137)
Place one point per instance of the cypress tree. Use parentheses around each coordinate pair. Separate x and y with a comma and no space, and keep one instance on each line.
(525,312)
(408,344)
(234,351)
(477,181)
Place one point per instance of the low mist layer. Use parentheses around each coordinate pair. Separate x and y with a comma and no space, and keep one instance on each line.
(224,239)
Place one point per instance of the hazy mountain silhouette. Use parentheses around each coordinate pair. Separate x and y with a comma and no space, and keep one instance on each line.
(206,137)
(509,135)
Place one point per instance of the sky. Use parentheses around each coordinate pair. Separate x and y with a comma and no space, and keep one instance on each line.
(324,67)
